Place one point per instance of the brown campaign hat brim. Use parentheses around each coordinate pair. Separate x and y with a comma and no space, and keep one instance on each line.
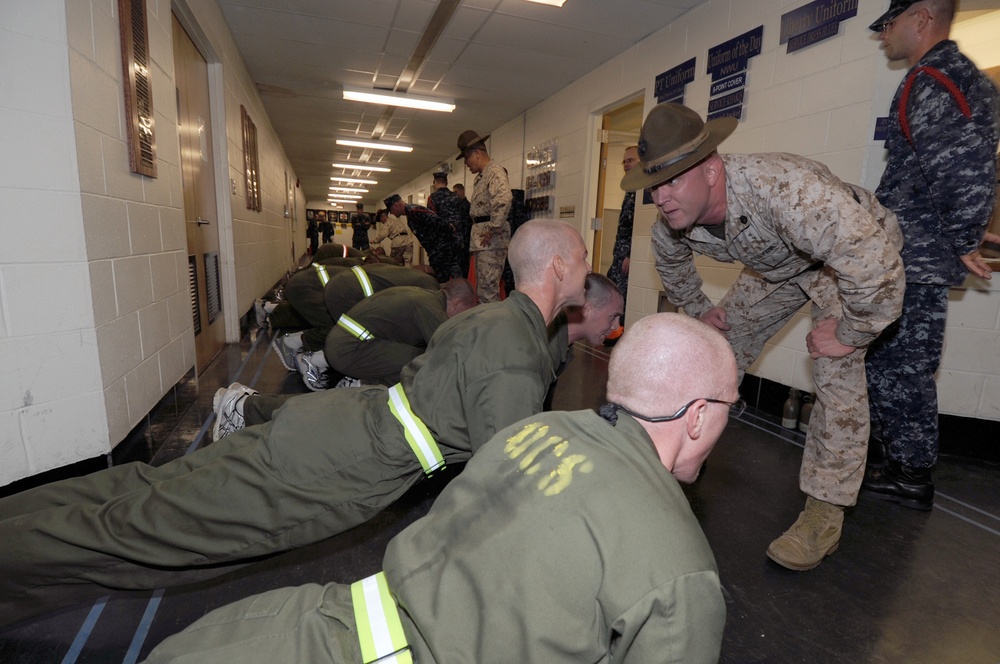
(644,175)
(468,140)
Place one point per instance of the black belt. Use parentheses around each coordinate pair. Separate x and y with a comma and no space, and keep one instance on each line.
(479,220)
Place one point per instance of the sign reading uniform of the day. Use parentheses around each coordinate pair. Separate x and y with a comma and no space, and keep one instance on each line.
(815,22)
(727,63)
(669,86)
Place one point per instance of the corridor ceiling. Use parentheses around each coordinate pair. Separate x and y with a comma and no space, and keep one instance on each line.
(495,58)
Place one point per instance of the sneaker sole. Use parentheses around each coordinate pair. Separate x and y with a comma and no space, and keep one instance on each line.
(281,357)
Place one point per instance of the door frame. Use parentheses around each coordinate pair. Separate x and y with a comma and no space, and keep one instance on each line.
(594,170)
(223,183)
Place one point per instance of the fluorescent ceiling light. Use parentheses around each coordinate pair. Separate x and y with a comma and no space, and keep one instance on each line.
(349,190)
(350,196)
(363,167)
(397,99)
(554,3)
(375,145)
(345,201)
(354,180)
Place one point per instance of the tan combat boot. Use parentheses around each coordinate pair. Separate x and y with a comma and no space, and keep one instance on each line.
(813,536)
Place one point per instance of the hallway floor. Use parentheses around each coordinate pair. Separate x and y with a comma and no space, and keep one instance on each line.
(904,586)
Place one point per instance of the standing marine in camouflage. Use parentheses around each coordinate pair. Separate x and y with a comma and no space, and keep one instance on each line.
(618,272)
(803,236)
(434,231)
(454,211)
(940,181)
(491,201)
(360,223)
(465,214)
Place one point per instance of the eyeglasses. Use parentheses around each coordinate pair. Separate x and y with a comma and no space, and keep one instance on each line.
(736,408)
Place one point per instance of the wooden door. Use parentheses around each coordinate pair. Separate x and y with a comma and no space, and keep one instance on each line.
(200,208)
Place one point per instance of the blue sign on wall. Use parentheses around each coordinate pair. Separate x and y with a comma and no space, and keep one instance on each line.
(881,128)
(669,86)
(727,63)
(731,57)
(815,22)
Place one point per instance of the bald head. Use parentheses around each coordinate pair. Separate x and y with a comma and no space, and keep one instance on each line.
(535,244)
(665,360)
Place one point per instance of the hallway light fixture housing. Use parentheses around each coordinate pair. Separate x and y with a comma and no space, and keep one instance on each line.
(338,196)
(353,180)
(387,98)
(364,167)
(349,190)
(375,145)
(554,3)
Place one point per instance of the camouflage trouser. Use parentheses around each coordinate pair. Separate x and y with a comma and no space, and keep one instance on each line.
(403,255)
(901,365)
(833,462)
(489,270)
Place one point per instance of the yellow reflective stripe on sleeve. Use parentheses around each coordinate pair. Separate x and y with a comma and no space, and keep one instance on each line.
(417,434)
(355,328)
(366,284)
(380,632)
(321,272)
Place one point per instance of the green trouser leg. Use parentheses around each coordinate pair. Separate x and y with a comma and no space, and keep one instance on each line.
(326,463)
(310,623)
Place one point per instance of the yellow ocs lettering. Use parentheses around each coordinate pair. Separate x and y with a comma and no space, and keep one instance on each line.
(533,446)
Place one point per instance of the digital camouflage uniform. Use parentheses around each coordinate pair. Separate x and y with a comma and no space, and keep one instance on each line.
(802,235)
(326,462)
(436,236)
(623,247)
(360,223)
(400,322)
(400,242)
(564,540)
(941,183)
(464,233)
(491,201)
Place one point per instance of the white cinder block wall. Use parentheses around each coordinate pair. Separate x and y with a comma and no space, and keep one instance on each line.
(821,102)
(95,320)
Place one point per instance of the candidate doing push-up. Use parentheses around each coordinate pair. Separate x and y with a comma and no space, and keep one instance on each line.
(566,539)
(326,462)
(379,335)
(238,405)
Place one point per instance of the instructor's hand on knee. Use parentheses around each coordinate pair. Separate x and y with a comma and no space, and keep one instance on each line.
(823,342)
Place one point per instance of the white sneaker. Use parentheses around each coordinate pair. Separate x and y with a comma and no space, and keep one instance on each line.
(228,406)
(316,379)
(347,381)
(285,352)
(260,313)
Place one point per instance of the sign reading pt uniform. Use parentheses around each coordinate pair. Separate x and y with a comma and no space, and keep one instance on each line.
(727,63)
(669,86)
(815,22)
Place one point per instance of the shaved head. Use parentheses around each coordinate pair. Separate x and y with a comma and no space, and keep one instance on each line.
(665,360)
(534,245)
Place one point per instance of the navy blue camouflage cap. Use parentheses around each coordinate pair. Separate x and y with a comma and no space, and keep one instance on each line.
(896,7)
(392,199)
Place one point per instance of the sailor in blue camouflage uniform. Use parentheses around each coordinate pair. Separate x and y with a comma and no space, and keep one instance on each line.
(360,223)
(434,234)
(446,204)
(803,236)
(618,272)
(940,181)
